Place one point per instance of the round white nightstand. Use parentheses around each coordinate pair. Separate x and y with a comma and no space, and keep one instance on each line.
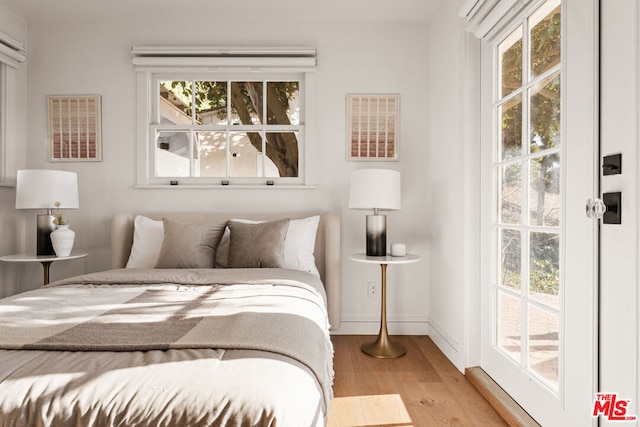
(45,260)
(383,347)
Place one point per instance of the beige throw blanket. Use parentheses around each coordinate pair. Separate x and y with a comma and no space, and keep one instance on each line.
(130,310)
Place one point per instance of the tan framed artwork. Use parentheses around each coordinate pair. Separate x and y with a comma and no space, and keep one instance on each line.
(75,128)
(372,127)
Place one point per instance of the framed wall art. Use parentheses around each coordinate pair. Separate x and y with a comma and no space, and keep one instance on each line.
(372,127)
(75,128)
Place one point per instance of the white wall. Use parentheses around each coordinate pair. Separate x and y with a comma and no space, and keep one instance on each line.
(94,58)
(13,25)
(447,185)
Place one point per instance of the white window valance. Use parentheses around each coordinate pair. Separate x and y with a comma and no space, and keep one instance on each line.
(146,58)
(12,52)
(483,17)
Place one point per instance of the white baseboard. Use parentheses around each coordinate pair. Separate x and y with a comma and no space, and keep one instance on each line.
(360,325)
(447,344)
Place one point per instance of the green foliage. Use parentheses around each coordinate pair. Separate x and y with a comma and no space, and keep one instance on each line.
(512,128)
(545,102)
(511,250)
(545,115)
(545,43)
(544,277)
(512,68)
(511,279)
(544,110)
(544,269)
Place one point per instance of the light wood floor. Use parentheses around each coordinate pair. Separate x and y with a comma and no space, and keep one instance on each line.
(420,389)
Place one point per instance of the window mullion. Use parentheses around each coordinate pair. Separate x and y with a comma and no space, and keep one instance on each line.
(192,153)
(190,147)
(193,102)
(227,132)
(263,133)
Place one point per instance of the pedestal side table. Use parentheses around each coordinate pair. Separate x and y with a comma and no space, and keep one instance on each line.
(383,347)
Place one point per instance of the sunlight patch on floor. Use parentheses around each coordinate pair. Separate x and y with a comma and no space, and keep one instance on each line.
(376,410)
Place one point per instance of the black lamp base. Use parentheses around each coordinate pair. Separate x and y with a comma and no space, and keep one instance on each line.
(376,235)
(45,226)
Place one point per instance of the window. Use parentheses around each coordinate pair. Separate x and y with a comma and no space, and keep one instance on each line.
(223,129)
(225,125)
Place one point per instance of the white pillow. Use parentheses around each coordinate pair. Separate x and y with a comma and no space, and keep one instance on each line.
(299,244)
(147,242)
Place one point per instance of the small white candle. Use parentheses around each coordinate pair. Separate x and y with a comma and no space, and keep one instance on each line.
(398,249)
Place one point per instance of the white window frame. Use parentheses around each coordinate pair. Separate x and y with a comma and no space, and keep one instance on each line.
(12,54)
(216,64)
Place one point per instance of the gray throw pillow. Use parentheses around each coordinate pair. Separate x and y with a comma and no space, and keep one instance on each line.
(257,245)
(189,245)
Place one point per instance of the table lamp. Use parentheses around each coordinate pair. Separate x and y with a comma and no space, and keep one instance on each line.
(41,189)
(375,189)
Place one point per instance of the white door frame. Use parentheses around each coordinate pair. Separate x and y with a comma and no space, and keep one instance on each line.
(619,254)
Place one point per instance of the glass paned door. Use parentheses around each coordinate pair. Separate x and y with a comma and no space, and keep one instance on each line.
(527,171)
(538,262)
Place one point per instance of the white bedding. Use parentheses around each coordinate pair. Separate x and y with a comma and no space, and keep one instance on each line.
(69,355)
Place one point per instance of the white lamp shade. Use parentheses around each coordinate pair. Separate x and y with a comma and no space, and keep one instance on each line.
(375,189)
(41,189)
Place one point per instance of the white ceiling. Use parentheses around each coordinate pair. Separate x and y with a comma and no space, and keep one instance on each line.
(215,10)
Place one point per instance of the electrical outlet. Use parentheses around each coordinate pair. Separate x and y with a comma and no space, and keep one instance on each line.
(372,289)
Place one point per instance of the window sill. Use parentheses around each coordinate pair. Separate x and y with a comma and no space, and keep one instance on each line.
(226,187)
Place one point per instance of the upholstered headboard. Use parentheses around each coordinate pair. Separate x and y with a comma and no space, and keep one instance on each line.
(326,253)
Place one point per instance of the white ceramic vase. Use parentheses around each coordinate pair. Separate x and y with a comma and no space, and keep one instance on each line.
(62,240)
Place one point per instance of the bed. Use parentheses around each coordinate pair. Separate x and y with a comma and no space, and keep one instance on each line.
(204,319)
